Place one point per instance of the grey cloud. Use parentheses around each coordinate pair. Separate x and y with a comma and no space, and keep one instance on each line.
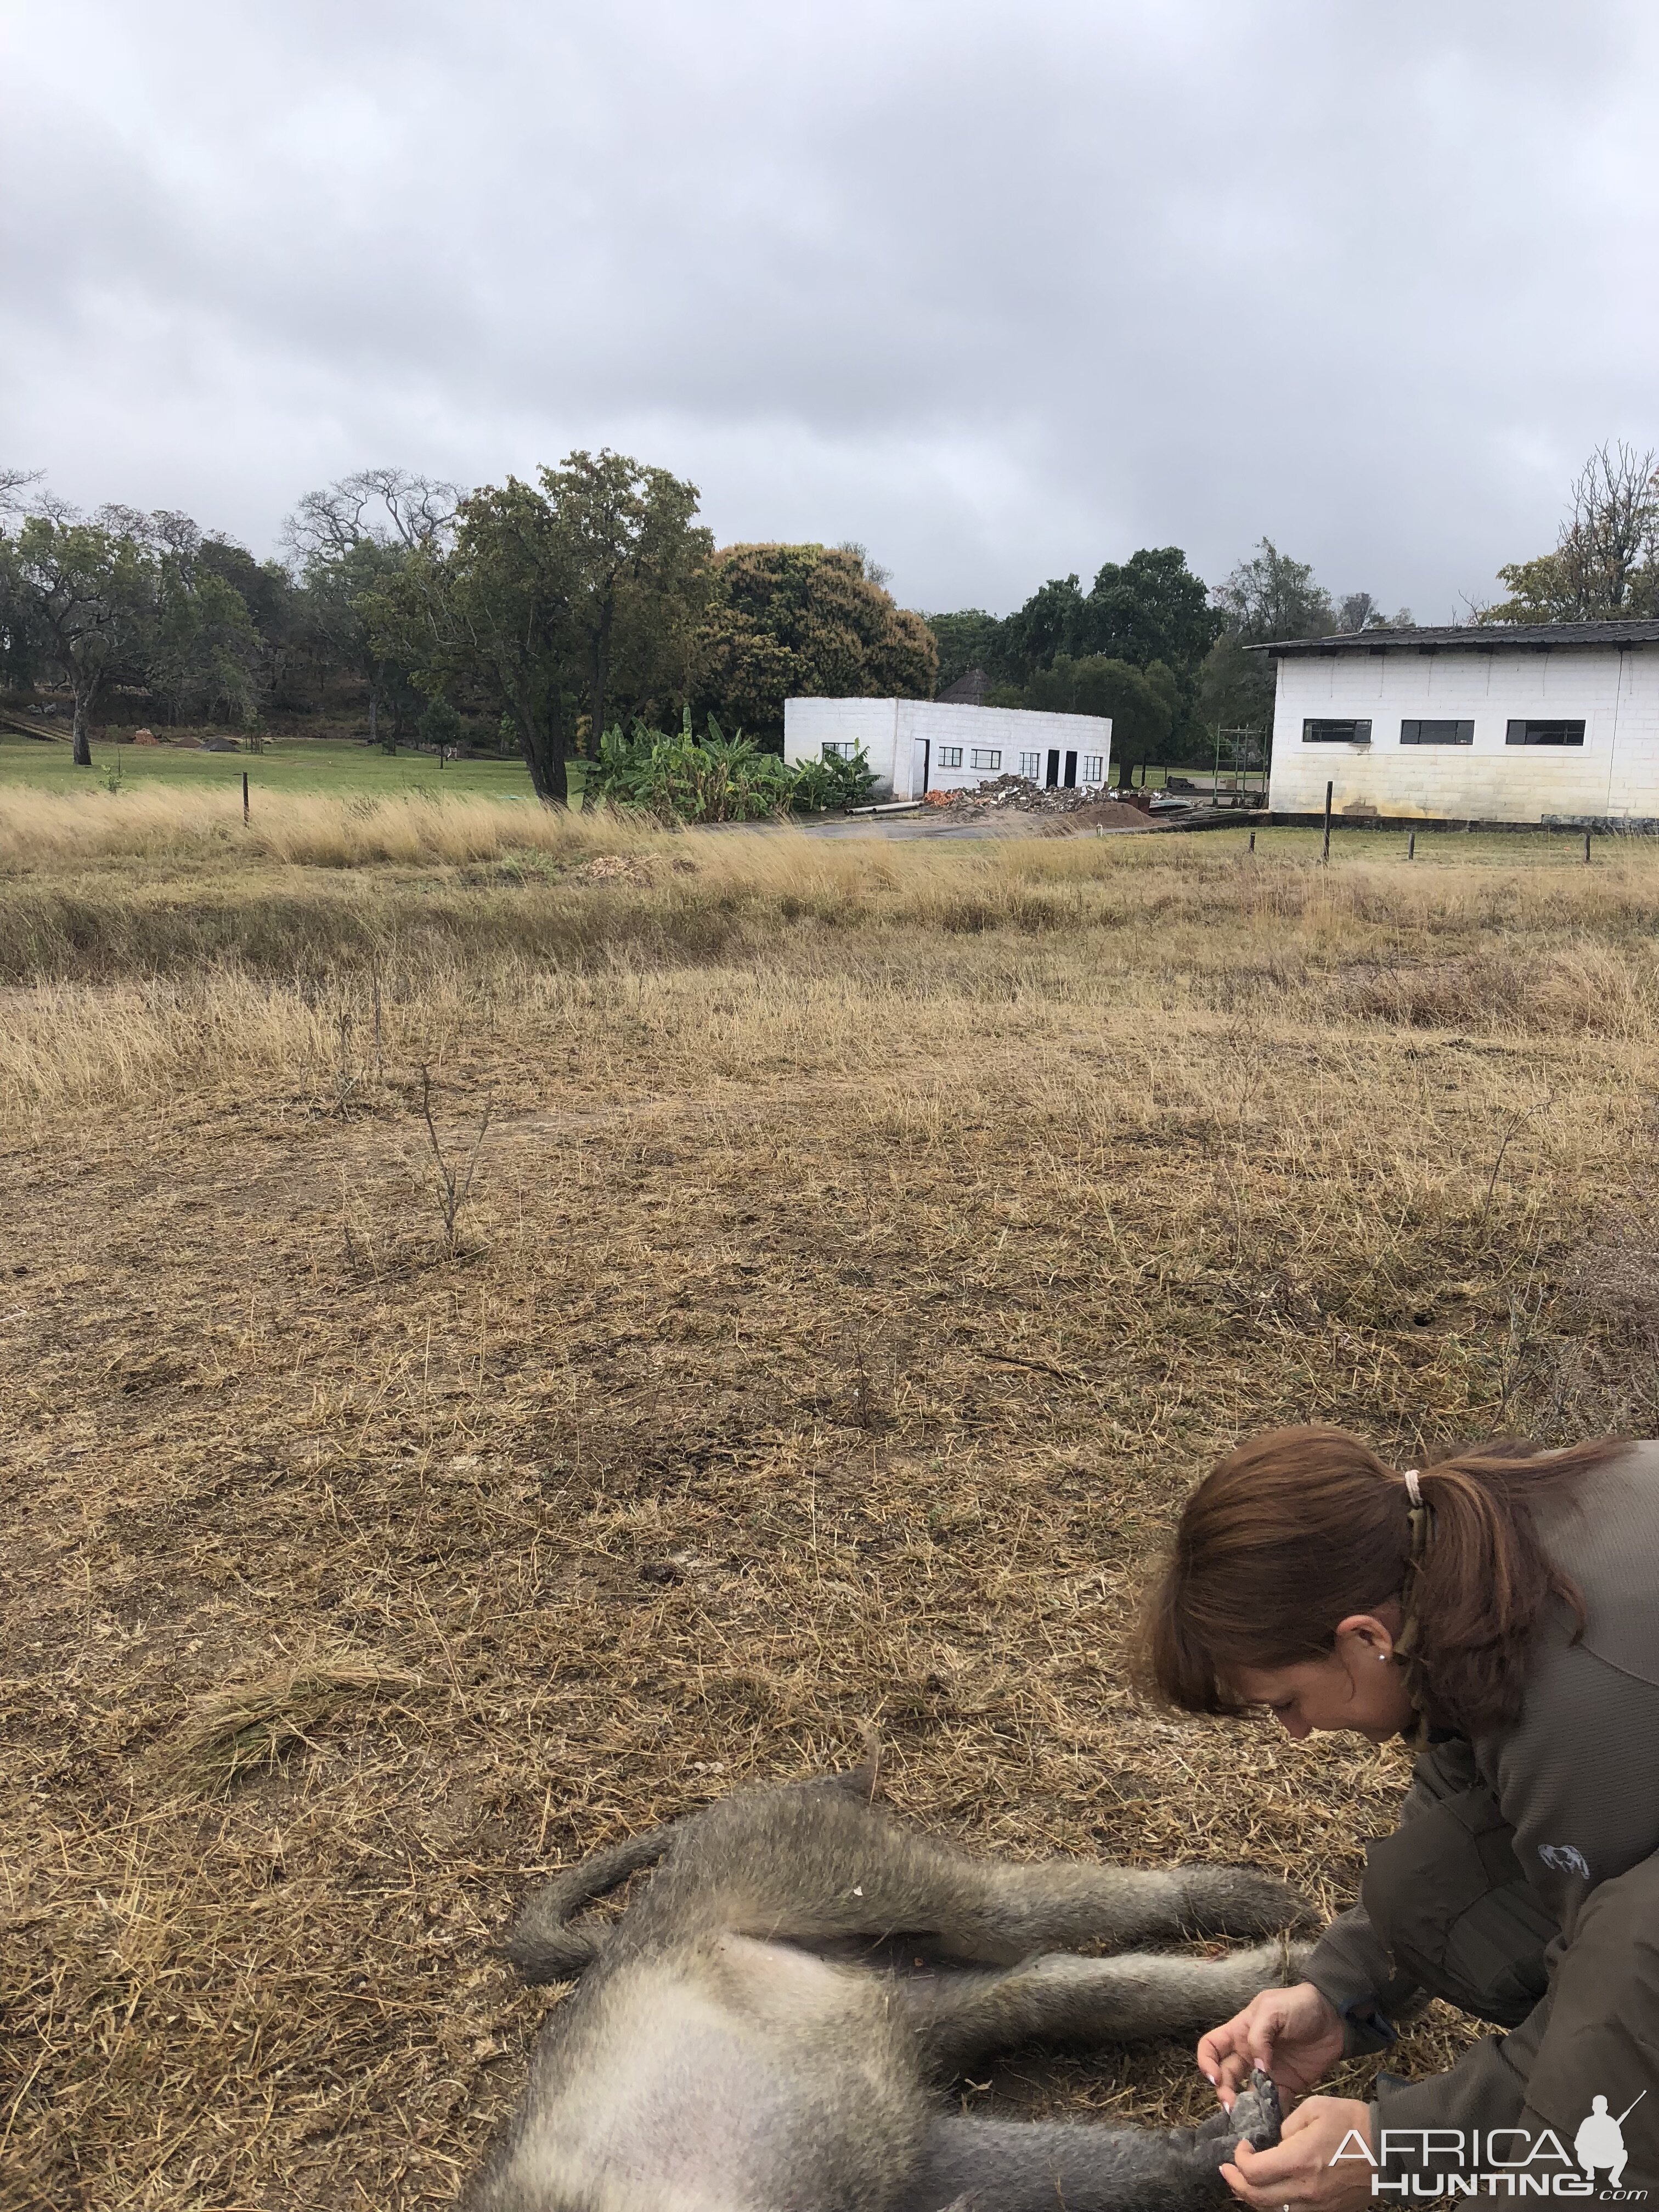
(999,291)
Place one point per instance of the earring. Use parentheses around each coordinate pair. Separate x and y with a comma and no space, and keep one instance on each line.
(1381,1658)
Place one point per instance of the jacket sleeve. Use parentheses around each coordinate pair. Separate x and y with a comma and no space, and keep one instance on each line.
(1486,2088)
(1350,1968)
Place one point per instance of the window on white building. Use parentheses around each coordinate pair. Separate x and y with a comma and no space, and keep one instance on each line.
(984,757)
(1030,764)
(1336,733)
(948,757)
(839,749)
(1545,734)
(1437,733)
(1091,767)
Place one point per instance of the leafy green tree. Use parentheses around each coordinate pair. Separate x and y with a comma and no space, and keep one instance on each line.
(552,600)
(276,609)
(351,543)
(969,639)
(1271,596)
(805,622)
(1141,703)
(496,609)
(441,726)
(1267,597)
(1150,607)
(82,595)
(1048,627)
(640,565)
(1234,690)
(197,655)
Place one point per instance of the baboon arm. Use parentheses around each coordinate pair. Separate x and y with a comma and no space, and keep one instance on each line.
(1038,2165)
(1062,1998)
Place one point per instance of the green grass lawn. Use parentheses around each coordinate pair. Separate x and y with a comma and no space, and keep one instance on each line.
(285,765)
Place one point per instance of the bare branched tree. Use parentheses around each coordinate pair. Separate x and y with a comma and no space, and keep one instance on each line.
(379,506)
(14,489)
(1613,529)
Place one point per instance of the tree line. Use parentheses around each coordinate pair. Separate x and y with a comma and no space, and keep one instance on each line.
(1154,647)
(592,599)
(548,612)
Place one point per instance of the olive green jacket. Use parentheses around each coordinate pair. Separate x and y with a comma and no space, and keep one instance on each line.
(1576,1778)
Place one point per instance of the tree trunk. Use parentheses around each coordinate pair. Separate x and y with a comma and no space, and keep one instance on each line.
(544,757)
(601,674)
(82,744)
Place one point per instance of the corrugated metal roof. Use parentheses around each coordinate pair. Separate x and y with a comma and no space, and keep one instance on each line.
(1473,637)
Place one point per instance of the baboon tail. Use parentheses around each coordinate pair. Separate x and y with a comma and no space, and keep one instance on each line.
(543,1945)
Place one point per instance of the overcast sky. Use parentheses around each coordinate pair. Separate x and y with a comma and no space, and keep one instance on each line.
(1002,290)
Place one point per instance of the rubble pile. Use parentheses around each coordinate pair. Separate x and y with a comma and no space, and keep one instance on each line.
(1019,794)
(1011,791)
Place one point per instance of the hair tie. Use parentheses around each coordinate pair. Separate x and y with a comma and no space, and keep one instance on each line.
(1413,1488)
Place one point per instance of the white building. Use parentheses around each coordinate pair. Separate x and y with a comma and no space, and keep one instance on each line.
(916,745)
(1545,723)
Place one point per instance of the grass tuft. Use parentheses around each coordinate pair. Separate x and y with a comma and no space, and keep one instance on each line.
(252,1725)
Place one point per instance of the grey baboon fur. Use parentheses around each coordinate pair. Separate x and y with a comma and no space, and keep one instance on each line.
(770,2027)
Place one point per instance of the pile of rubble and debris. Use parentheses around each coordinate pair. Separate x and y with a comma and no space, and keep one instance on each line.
(1019,794)
(1181,804)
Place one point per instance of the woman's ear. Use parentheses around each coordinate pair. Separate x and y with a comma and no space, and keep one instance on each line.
(1368,1633)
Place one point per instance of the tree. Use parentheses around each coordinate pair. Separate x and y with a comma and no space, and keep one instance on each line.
(494,609)
(1150,607)
(1141,703)
(1048,627)
(1270,596)
(276,609)
(1606,562)
(1265,598)
(78,595)
(197,654)
(964,640)
(349,542)
(638,570)
(552,599)
(806,622)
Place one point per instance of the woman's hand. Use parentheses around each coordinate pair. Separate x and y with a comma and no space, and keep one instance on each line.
(1296,2175)
(1293,2035)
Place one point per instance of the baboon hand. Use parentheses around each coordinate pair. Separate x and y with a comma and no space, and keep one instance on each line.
(1239,1901)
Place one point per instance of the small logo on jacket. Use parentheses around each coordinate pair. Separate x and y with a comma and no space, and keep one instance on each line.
(1565,1858)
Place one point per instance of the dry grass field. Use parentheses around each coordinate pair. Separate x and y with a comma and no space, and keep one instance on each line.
(867,1247)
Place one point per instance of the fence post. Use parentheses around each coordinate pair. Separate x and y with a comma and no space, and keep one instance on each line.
(1587,859)
(1324,856)
(1411,845)
(1253,840)
(244,799)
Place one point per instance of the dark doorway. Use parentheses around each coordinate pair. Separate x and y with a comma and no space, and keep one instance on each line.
(1053,769)
(1070,771)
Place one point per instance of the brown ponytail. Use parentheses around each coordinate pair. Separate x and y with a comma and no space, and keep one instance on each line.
(1300,1527)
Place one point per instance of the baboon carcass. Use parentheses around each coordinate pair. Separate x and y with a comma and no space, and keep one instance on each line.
(770,2026)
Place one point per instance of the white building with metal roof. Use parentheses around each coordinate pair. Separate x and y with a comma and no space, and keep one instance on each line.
(1554,723)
